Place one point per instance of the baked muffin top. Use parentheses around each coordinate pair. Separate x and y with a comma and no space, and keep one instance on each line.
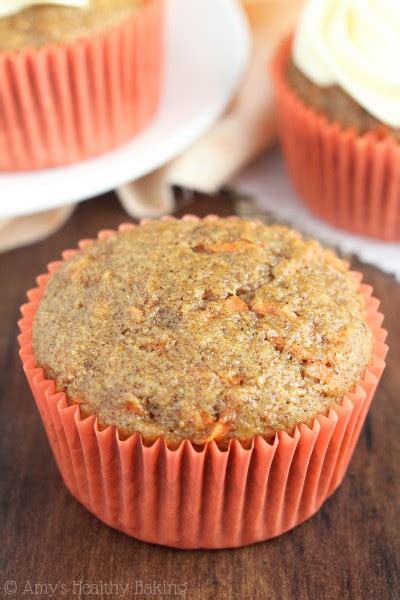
(51,24)
(203,330)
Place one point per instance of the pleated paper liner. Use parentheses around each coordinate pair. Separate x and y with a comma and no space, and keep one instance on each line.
(350,180)
(62,104)
(208,498)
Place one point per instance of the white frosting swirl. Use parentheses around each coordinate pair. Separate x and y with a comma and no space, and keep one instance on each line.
(11,7)
(354,44)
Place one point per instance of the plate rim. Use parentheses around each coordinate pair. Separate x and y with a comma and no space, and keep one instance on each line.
(192,129)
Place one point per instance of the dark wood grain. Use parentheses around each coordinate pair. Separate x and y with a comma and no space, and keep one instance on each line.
(350,549)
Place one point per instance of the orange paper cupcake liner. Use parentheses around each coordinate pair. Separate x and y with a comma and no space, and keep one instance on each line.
(62,104)
(350,180)
(208,498)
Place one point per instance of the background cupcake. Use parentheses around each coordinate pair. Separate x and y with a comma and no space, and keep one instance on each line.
(77,78)
(338,92)
(235,361)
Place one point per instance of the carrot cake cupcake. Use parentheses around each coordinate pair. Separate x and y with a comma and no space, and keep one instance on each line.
(77,77)
(202,382)
(338,95)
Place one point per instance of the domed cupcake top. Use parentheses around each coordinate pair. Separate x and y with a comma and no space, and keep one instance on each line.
(203,330)
(37,24)
(354,44)
(11,7)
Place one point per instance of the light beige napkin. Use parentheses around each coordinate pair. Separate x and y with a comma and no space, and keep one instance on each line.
(246,129)
(21,231)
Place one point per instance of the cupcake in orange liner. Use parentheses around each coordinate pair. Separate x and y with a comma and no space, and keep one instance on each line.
(339,113)
(77,78)
(151,462)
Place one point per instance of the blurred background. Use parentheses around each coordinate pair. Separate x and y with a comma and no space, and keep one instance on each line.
(215,130)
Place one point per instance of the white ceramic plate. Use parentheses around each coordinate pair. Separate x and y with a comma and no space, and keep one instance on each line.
(208,47)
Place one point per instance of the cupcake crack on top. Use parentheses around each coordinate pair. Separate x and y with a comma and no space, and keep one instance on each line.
(203,330)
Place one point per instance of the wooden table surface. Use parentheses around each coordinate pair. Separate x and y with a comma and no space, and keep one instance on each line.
(52,547)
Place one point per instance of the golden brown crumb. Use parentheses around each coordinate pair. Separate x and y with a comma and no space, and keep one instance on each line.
(203,330)
(337,105)
(51,24)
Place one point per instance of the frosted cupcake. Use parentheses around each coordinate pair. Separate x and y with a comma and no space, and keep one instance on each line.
(77,77)
(338,93)
(191,372)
